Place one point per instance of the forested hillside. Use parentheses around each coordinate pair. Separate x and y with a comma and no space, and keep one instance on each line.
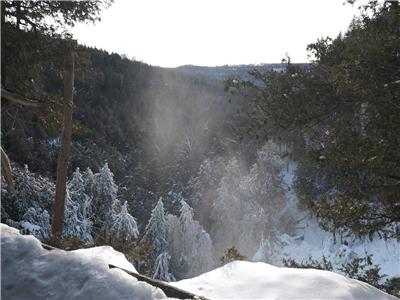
(186,169)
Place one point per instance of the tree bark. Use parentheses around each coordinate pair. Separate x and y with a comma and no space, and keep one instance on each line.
(6,172)
(62,165)
(3,42)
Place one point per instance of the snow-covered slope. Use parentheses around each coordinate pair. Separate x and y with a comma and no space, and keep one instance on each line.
(310,241)
(108,255)
(30,272)
(249,280)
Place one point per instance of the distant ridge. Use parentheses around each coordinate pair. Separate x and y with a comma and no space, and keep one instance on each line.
(225,71)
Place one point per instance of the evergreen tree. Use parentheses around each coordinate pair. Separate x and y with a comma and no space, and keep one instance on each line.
(124,227)
(227,208)
(162,268)
(187,225)
(89,182)
(106,195)
(155,232)
(189,243)
(76,224)
(174,238)
(32,190)
(35,221)
(78,194)
(231,255)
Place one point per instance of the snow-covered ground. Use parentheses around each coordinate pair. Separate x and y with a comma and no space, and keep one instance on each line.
(311,241)
(108,255)
(249,280)
(30,272)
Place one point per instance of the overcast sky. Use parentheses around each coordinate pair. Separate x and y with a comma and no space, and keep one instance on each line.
(171,33)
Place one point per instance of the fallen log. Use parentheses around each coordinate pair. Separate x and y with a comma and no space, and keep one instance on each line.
(169,290)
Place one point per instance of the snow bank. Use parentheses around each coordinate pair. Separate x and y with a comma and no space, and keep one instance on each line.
(310,241)
(249,280)
(108,255)
(30,272)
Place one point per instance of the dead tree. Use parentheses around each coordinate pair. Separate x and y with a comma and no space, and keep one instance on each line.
(62,164)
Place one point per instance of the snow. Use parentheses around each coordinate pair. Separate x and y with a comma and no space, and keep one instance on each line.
(31,272)
(108,255)
(310,241)
(316,243)
(250,280)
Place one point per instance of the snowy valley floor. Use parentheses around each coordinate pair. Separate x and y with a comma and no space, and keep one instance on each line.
(31,272)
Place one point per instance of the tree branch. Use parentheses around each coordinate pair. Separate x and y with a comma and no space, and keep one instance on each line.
(18,99)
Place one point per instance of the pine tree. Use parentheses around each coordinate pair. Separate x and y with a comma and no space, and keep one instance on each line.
(230,255)
(187,224)
(106,195)
(78,194)
(189,243)
(36,221)
(76,225)
(32,190)
(89,182)
(227,209)
(174,239)
(155,232)
(124,227)
(201,259)
(162,268)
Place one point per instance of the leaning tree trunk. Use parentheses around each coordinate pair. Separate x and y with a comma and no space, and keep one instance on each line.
(6,172)
(62,165)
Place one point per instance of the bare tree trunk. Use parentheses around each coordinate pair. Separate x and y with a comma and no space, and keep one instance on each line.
(62,165)
(3,42)
(6,172)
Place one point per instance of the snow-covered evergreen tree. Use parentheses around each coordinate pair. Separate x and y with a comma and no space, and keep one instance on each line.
(32,190)
(35,221)
(162,268)
(251,204)
(204,183)
(187,225)
(189,243)
(106,195)
(196,242)
(174,239)
(227,208)
(89,182)
(78,210)
(76,225)
(124,227)
(78,194)
(201,258)
(155,232)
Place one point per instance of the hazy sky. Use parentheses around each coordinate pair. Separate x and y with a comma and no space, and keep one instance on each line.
(170,33)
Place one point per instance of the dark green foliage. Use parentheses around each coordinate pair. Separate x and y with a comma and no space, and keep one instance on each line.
(324,264)
(362,269)
(342,118)
(392,286)
(230,255)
